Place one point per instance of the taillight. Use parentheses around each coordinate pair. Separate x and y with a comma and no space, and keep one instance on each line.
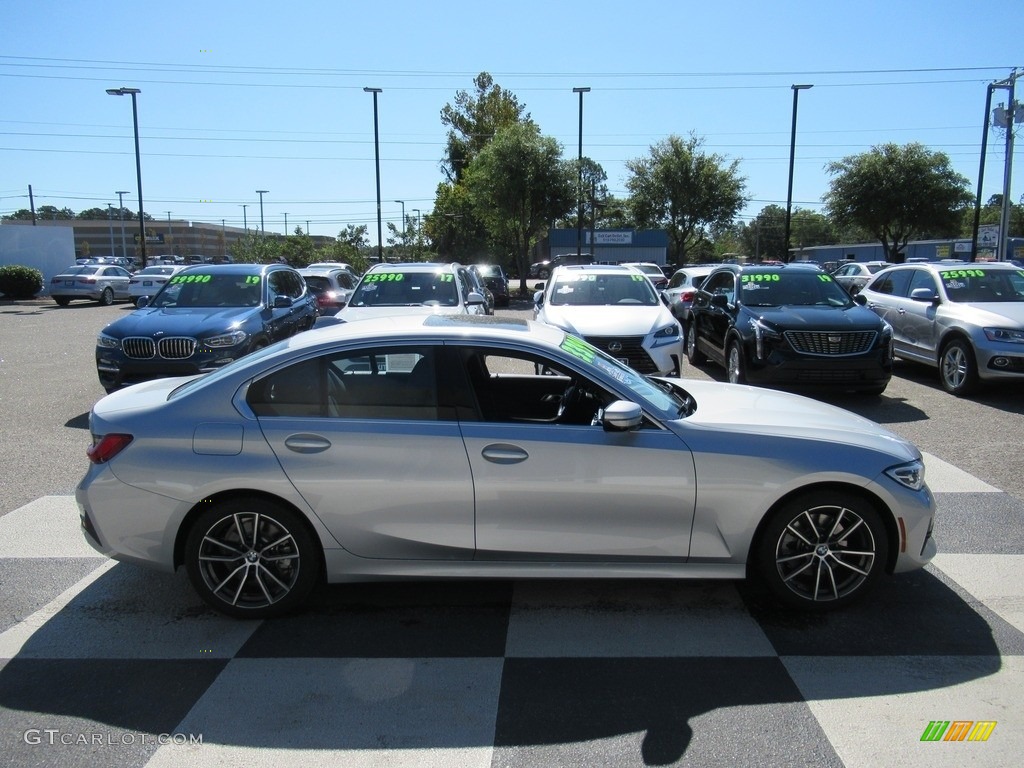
(107,448)
(687,295)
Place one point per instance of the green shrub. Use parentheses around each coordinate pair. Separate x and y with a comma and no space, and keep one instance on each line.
(18,282)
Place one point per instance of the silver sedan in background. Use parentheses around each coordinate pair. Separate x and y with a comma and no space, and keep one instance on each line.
(105,283)
(475,446)
(966,320)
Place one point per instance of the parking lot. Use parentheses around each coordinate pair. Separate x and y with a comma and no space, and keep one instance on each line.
(99,659)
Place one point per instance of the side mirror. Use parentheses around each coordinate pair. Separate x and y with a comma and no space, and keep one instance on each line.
(474,298)
(282,302)
(719,300)
(860,299)
(621,416)
(538,298)
(924,294)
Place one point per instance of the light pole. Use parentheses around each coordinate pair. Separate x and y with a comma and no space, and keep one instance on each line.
(579,181)
(245,219)
(261,193)
(285,224)
(120,212)
(376,156)
(110,220)
(170,233)
(404,223)
(792,151)
(417,247)
(124,90)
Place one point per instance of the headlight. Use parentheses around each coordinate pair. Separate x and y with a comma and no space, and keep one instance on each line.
(763,332)
(231,339)
(1005,334)
(910,474)
(107,342)
(666,335)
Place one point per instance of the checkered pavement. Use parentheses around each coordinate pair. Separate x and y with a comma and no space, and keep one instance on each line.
(107,664)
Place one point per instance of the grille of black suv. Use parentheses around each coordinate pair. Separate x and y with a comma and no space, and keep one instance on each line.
(171,348)
(832,343)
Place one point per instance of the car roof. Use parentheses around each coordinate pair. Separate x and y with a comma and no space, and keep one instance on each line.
(415,266)
(609,269)
(234,269)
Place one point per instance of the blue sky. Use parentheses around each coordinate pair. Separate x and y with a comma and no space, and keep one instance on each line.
(256,95)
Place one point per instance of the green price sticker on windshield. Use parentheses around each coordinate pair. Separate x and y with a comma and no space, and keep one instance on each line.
(193,278)
(578,348)
(951,274)
(385,277)
(760,277)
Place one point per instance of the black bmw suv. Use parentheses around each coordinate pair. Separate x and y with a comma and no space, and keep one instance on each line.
(203,318)
(788,325)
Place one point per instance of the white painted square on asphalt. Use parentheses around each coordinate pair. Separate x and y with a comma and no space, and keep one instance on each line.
(47,527)
(351,712)
(995,580)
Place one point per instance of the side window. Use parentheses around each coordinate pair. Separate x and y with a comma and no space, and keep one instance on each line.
(508,386)
(277,284)
(721,284)
(386,383)
(894,283)
(922,279)
(294,284)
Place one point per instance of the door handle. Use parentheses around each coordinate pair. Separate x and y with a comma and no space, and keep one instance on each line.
(503,453)
(307,443)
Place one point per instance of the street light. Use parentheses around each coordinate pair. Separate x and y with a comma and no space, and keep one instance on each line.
(285,224)
(138,162)
(245,219)
(402,203)
(120,210)
(376,156)
(110,221)
(261,193)
(579,181)
(792,151)
(417,212)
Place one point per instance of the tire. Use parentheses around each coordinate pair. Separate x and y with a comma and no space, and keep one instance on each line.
(107,297)
(734,364)
(806,564)
(694,355)
(958,370)
(251,558)
(62,301)
(873,391)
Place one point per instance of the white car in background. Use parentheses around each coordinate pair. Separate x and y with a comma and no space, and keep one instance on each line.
(148,281)
(413,289)
(617,309)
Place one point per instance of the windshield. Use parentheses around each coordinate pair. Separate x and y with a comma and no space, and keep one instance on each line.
(156,271)
(977,285)
(203,289)
(792,289)
(602,289)
(406,289)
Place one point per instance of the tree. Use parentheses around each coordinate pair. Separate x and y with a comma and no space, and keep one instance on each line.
(53,212)
(473,121)
(22,214)
(298,250)
(764,237)
(809,228)
(518,184)
(349,247)
(453,229)
(685,191)
(898,193)
(255,248)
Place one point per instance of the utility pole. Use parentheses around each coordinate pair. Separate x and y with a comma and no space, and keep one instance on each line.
(1013,113)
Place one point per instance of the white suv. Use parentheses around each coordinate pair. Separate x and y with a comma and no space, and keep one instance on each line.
(618,310)
(411,289)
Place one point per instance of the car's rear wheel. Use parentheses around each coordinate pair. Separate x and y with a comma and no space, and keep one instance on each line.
(694,355)
(958,370)
(62,301)
(822,550)
(107,297)
(734,361)
(252,558)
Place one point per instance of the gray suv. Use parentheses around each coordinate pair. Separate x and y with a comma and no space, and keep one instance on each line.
(967,320)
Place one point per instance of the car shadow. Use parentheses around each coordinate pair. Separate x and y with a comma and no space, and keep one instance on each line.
(136,651)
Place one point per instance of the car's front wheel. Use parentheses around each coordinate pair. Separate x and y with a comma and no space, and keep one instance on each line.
(822,550)
(737,374)
(252,558)
(958,370)
(107,297)
(694,355)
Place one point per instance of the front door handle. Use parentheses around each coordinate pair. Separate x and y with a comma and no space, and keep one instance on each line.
(503,453)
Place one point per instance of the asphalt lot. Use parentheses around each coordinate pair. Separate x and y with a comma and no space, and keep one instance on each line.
(48,385)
